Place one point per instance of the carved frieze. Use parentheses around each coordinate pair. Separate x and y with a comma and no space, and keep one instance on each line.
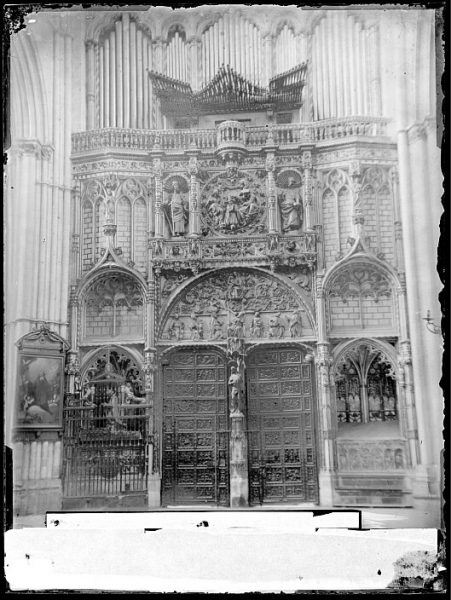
(362,456)
(233,204)
(236,305)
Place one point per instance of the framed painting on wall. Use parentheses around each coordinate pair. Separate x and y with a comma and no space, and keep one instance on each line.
(40,381)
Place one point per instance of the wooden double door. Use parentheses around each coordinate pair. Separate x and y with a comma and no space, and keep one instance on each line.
(280,428)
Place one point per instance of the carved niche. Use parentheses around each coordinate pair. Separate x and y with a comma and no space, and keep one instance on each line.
(290,201)
(360,296)
(176,205)
(236,304)
(234,204)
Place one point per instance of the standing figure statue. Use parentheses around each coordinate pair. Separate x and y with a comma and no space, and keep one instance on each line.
(235,380)
(178,210)
(276,327)
(295,324)
(257,326)
(291,207)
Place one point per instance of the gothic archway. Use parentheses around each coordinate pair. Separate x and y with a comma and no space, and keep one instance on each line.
(205,309)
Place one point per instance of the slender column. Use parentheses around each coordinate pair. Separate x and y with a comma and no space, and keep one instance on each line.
(119,76)
(133,76)
(90,84)
(308,195)
(272,199)
(158,172)
(194,212)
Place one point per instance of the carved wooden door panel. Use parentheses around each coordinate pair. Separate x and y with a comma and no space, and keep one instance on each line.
(282,452)
(195,438)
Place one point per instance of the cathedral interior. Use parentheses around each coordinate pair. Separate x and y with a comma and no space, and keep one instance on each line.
(221,227)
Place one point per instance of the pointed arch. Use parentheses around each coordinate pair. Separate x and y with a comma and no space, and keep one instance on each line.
(222,294)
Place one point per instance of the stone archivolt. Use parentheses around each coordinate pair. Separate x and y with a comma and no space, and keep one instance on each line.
(236,304)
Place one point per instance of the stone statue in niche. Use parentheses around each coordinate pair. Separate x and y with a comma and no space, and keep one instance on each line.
(290,203)
(295,324)
(176,210)
(276,327)
(257,326)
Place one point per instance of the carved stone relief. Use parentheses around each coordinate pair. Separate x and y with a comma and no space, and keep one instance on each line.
(387,455)
(236,304)
(232,205)
(360,281)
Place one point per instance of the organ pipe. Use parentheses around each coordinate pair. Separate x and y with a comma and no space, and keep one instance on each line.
(126,68)
(133,75)
(112,91)
(106,83)
(119,105)
(101,87)
(139,67)
(146,83)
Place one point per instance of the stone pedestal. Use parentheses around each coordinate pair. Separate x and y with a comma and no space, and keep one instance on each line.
(239,484)
(153,491)
(326,488)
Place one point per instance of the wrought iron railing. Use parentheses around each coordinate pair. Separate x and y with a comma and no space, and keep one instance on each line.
(207,139)
(105,450)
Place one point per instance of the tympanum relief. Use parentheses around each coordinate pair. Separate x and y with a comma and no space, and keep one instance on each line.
(236,305)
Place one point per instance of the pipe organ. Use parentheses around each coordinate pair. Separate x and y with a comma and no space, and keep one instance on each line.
(344,68)
(343,65)
(119,90)
(286,50)
(232,40)
(177,55)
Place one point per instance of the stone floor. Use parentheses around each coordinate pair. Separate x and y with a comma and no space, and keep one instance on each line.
(205,559)
(373,518)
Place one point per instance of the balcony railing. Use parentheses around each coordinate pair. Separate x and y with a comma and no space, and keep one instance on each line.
(207,139)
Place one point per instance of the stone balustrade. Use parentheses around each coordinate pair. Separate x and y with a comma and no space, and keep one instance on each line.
(209,140)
